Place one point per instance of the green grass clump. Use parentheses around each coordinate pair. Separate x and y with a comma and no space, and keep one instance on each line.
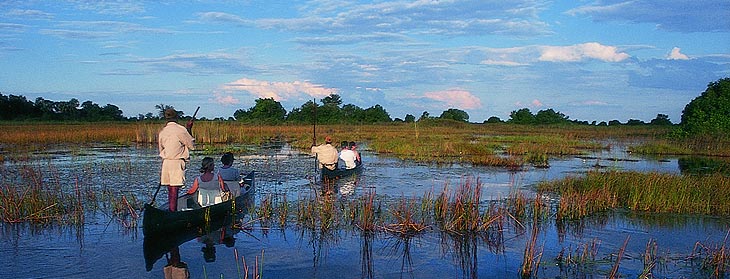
(647,192)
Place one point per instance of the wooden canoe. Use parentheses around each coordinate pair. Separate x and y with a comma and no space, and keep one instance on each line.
(160,221)
(339,173)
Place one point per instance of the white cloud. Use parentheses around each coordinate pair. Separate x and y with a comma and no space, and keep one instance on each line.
(581,52)
(537,103)
(28,14)
(675,54)
(533,104)
(502,63)
(225,100)
(456,98)
(279,91)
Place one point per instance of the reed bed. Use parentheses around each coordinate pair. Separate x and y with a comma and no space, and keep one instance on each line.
(645,192)
(40,134)
(31,192)
(29,198)
(499,145)
(715,258)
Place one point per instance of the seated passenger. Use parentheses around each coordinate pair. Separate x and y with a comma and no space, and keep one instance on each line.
(230,174)
(208,185)
(347,156)
(353,147)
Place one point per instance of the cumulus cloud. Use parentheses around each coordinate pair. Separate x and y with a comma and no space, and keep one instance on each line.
(675,54)
(224,99)
(279,91)
(582,52)
(533,104)
(458,98)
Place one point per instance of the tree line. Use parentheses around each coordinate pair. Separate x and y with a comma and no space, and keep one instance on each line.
(707,113)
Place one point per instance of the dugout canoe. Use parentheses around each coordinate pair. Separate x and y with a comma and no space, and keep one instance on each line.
(339,173)
(161,221)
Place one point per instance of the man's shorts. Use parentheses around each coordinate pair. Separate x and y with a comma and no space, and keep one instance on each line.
(173,173)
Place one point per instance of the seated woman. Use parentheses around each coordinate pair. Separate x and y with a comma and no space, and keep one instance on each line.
(231,176)
(208,185)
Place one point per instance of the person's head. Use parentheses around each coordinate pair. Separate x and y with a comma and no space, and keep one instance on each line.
(327,139)
(227,159)
(170,114)
(353,145)
(343,144)
(209,253)
(207,165)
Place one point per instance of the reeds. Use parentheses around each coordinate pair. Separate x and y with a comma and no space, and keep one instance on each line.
(501,145)
(647,192)
(29,199)
(405,224)
(715,257)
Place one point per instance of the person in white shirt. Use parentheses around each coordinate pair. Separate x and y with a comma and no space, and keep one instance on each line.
(174,144)
(231,176)
(347,156)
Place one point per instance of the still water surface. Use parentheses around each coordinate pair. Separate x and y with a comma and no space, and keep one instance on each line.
(103,248)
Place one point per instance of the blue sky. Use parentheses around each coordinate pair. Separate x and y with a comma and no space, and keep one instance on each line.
(591,60)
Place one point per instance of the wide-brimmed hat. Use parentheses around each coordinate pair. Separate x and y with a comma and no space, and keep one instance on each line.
(170,114)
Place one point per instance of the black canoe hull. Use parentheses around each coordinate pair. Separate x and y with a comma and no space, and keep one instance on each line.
(331,175)
(162,221)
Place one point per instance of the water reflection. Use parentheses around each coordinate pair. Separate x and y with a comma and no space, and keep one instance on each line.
(704,165)
(283,171)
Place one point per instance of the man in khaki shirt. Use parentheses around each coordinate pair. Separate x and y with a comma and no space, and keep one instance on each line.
(326,154)
(174,143)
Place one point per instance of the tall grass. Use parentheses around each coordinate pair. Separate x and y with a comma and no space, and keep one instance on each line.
(29,198)
(646,192)
(501,145)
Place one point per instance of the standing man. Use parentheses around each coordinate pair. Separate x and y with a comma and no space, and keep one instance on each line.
(174,143)
(326,154)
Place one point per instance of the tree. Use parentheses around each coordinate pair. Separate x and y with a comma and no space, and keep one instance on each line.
(409,118)
(635,122)
(305,113)
(549,116)
(521,116)
(332,100)
(90,111)
(493,119)
(16,107)
(708,113)
(376,114)
(111,112)
(455,114)
(661,120)
(424,116)
(352,113)
(267,111)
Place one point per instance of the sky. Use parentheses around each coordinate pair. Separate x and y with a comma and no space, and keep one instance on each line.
(596,60)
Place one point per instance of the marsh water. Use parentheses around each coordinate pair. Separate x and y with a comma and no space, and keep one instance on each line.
(104,247)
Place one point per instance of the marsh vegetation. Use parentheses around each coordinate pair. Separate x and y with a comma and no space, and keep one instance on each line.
(556,224)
